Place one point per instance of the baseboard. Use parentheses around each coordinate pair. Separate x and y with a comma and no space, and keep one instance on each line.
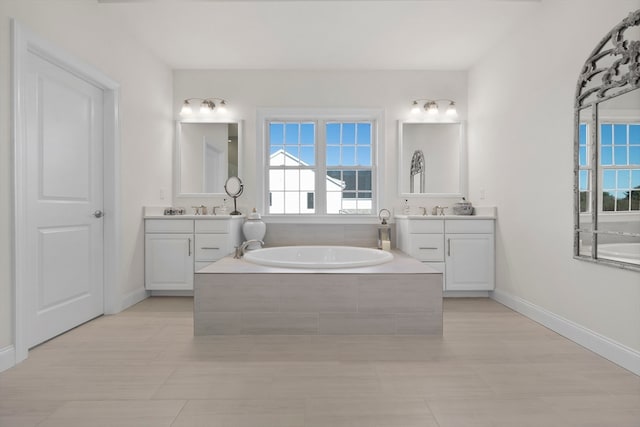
(133,298)
(171,293)
(465,294)
(609,349)
(7,358)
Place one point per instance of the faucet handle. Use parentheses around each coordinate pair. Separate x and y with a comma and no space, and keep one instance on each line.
(424,210)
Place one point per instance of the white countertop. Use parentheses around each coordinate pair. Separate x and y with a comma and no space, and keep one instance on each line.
(401,264)
(152,216)
(447,217)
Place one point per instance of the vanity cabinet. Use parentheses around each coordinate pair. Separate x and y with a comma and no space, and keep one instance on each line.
(463,249)
(176,248)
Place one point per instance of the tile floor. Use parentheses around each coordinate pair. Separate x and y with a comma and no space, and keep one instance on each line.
(143,367)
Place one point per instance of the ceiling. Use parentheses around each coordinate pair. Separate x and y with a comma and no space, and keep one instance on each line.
(320,34)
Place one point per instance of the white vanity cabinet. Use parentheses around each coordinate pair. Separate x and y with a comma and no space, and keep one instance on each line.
(469,255)
(463,249)
(175,248)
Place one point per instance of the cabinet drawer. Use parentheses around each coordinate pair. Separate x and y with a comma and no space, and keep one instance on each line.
(211,247)
(212,226)
(168,225)
(427,247)
(469,226)
(426,226)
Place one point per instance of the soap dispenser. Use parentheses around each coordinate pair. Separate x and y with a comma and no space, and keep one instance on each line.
(254,229)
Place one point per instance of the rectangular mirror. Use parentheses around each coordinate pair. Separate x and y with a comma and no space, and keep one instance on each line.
(432,159)
(206,154)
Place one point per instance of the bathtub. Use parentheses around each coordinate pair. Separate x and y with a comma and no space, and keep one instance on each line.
(318,257)
(402,296)
(623,252)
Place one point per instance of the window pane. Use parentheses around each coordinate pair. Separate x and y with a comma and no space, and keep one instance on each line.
(582,132)
(292,180)
(622,202)
(583,156)
(364,195)
(292,158)
(608,201)
(333,155)
(606,156)
(635,178)
(308,155)
(584,201)
(277,202)
(634,134)
(308,134)
(623,180)
(349,178)
(276,180)
(620,155)
(634,155)
(606,132)
(276,133)
(348,133)
(292,202)
(635,200)
(291,133)
(277,156)
(333,133)
(348,155)
(310,201)
(584,180)
(609,180)
(307,180)
(364,134)
(364,156)
(349,195)
(620,134)
(364,180)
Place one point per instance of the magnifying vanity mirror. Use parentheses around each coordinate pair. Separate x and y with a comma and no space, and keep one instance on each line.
(432,159)
(206,155)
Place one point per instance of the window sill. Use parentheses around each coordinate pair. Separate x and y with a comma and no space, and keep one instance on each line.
(320,219)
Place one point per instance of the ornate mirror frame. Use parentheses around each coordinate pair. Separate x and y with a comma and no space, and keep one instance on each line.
(612,70)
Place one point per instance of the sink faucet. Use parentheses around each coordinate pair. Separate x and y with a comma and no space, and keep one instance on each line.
(240,250)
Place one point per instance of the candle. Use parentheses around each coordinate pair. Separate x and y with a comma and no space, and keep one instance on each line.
(386,245)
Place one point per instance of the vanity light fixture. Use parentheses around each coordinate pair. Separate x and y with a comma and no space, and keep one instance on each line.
(431,106)
(207,105)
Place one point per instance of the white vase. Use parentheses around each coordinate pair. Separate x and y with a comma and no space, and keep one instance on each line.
(254,229)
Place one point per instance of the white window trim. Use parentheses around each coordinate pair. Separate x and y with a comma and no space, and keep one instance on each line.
(264,115)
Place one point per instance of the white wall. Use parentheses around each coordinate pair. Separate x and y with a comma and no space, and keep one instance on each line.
(86,31)
(521,155)
(393,91)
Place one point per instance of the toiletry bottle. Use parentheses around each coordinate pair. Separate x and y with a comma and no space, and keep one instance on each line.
(406,209)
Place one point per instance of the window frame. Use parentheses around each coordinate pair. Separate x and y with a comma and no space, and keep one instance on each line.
(320,116)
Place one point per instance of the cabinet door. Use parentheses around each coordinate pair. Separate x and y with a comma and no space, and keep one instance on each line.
(169,261)
(469,262)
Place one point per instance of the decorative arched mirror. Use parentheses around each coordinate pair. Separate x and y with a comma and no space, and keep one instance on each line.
(607,150)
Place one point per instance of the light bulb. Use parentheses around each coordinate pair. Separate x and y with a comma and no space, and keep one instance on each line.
(431,107)
(451,109)
(222,108)
(207,107)
(186,109)
(416,108)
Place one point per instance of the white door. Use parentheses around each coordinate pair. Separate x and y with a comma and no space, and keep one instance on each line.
(64,189)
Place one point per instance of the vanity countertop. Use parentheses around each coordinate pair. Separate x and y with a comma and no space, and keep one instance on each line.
(206,217)
(447,217)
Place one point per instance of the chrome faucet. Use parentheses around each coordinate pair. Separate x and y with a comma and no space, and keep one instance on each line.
(240,250)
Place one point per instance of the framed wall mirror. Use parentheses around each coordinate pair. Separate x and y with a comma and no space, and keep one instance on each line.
(607,151)
(432,159)
(206,155)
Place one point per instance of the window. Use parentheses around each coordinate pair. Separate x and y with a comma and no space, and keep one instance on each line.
(320,166)
(619,167)
(620,164)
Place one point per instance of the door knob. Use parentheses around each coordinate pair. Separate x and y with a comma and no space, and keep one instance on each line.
(98,214)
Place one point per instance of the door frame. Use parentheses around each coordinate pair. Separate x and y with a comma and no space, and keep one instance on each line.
(23,43)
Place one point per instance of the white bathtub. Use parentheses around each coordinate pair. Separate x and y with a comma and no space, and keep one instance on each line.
(318,256)
(624,252)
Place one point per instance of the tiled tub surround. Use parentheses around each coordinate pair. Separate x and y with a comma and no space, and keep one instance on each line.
(401,297)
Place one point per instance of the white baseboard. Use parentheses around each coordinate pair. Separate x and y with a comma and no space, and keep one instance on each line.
(465,294)
(7,358)
(171,293)
(609,349)
(133,298)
